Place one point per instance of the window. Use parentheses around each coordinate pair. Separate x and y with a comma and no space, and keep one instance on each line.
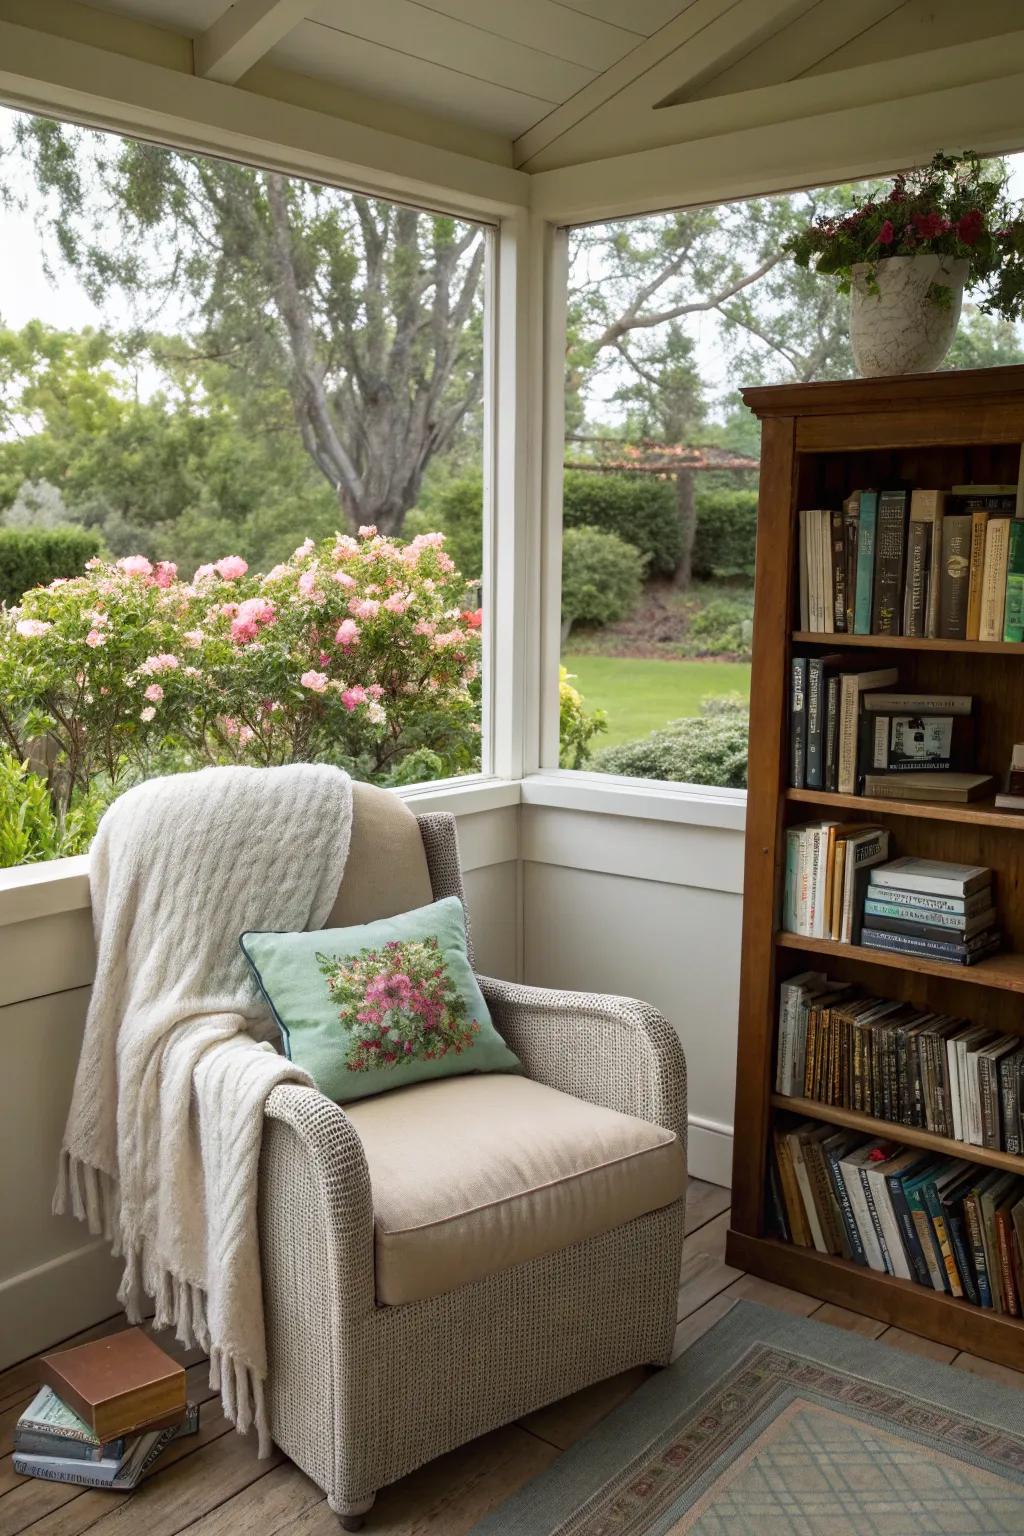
(669,316)
(241,469)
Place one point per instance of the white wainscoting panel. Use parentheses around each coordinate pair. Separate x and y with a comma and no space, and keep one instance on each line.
(649,910)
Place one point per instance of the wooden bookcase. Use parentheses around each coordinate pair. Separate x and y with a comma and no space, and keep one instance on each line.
(819,442)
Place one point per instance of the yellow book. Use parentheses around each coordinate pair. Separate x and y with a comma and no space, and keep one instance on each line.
(975,576)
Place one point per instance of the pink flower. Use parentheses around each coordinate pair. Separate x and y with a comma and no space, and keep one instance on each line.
(348,633)
(345,546)
(344,579)
(364,607)
(193,638)
(164,662)
(970,227)
(886,233)
(277,571)
(395,603)
(474,617)
(204,573)
(424,627)
(303,550)
(353,696)
(231,567)
(245,626)
(228,610)
(154,693)
(307,583)
(136,565)
(31,629)
(316,682)
(95,638)
(368,531)
(928,225)
(375,691)
(166,570)
(147,714)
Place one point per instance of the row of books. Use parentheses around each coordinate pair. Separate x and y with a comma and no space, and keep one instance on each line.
(898,1062)
(841,885)
(104,1413)
(942,1222)
(924,563)
(846,737)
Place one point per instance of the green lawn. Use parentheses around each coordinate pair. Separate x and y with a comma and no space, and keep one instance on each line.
(642,695)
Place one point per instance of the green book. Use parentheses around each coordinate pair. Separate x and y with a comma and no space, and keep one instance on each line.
(1013,614)
(865,578)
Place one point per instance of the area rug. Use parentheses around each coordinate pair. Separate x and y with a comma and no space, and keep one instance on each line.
(777,1426)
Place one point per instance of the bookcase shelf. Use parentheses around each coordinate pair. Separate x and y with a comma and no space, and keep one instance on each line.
(818,443)
(909,1135)
(979,813)
(903,643)
(1005,971)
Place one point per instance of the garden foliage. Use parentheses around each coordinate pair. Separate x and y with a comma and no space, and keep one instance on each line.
(33,557)
(359,651)
(708,749)
(577,726)
(641,509)
(602,577)
(726,532)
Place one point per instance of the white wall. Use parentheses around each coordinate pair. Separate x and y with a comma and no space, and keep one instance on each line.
(54,1278)
(651,909)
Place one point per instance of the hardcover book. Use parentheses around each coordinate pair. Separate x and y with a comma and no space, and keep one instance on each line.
(956,565)
(117,1384)
(890,556)
(993,586)
(865,582)
(1013,613)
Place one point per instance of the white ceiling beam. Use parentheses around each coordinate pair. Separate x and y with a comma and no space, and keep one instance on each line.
(242,35)
(707,36)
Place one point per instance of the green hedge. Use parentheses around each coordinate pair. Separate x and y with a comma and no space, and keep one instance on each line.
(602,576)
(33,557)
(639,508)
(726,528)
(710,748)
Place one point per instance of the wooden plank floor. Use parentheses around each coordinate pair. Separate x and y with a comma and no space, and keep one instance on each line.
(213,1485)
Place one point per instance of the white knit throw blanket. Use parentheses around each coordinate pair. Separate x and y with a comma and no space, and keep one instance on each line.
(162,1145)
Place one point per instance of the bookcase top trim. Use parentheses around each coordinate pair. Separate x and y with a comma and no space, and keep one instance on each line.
(899,391)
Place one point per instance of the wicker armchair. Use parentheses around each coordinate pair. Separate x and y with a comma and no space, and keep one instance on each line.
(362,1392)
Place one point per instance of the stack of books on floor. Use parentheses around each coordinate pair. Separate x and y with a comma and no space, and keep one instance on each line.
(927,564)
(851,732)
(103,1414)
(940,1221)
(932,909)
(896,1061)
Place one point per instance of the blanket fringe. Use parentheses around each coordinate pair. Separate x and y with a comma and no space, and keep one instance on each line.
(92,1196)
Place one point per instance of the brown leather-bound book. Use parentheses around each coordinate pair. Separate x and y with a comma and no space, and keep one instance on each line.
(118,1384)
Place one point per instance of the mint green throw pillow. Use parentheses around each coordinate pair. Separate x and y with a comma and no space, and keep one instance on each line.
(379,1006)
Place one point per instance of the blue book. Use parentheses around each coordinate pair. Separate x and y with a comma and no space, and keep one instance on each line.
(835,1148)
(865,588)
(914,1190)
(911,1241)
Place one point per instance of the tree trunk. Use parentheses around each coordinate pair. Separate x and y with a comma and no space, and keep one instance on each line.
(687,528)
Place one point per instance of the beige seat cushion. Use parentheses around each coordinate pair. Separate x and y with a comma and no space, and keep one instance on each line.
(386,870)
(471,1175)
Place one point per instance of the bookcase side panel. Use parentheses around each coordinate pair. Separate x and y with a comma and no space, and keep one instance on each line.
(768,703)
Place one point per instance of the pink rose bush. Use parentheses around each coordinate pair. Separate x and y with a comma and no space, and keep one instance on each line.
(360,651)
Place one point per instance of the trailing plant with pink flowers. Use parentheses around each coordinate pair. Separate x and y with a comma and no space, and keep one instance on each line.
(360,651)
(955,207)
(398,1004)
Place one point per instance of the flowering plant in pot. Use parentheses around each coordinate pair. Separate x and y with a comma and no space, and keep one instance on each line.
(906,257)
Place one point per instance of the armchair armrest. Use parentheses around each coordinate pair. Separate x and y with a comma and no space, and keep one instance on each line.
(314,1169)
(613,1051)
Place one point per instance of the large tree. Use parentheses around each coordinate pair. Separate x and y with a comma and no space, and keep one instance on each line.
(366,313)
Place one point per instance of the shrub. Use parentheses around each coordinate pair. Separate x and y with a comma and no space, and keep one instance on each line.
(576,727)
(33,557)
(30,828)
(722,627)
(354,651)
(639,508)
(457,511)
(723,543)
(601,577)
(710,748)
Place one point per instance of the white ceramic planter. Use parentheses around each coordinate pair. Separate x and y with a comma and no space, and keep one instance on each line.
(894,326)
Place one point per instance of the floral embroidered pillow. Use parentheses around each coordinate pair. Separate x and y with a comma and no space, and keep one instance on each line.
(380,1006)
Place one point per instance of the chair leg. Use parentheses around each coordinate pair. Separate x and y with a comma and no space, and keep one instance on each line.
(353,1516)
